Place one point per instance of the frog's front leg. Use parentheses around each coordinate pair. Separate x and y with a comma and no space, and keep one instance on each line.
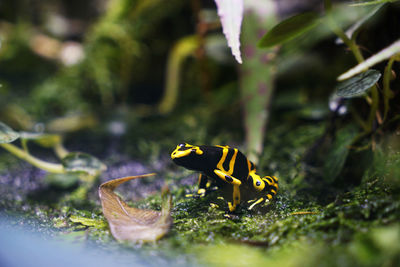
(235,198)
(227,178)
(256,202)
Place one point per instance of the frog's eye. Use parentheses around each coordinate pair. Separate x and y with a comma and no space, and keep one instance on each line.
(182,145)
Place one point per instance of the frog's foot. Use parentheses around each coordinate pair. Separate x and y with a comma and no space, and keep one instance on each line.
(231,216)
(259,201)
(231,207)
(255,202)
(201,192)
(193,196)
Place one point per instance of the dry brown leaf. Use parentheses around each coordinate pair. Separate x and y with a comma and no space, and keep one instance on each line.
(132,224)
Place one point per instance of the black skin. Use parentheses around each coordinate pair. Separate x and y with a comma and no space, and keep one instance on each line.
(207,162)
(226,171)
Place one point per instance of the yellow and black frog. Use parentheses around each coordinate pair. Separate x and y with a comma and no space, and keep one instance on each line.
(226,166)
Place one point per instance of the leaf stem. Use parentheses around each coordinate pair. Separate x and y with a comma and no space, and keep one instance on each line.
(47,166)
(341,34)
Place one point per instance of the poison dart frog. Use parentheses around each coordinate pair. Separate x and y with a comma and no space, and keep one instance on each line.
(226,166)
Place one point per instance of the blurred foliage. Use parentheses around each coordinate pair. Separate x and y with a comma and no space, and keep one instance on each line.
(379,246)
(257,77)
(118,50)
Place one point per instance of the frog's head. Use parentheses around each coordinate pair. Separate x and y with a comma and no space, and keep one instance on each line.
(187,156)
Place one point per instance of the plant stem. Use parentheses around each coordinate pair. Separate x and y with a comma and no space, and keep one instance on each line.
(60,150)
(349,42)
(341,34)
(47,166)
(374,107)
(359,120)
(327,5)
(387,93)
(181,50)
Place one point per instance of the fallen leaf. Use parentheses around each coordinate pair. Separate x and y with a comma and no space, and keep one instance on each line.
(132,224)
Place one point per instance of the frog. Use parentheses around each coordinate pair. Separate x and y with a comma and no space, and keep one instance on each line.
(226,167)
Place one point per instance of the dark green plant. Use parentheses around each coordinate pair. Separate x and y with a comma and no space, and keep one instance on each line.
(367,81)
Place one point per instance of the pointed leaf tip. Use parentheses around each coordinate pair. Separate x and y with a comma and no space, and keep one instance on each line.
(131,224)
(231,15)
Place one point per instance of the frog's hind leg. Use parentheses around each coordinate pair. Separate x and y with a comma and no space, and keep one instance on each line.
(204,185)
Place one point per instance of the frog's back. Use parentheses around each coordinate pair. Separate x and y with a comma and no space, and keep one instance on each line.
(227,159)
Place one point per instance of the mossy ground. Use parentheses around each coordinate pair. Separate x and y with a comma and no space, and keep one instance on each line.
(311,221)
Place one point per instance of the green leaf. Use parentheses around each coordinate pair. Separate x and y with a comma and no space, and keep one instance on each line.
(357,85)
(337,156)
(352,32)
(132,224)
(82,162)
(289,29)
(7,135)
(384,54)
(62,180)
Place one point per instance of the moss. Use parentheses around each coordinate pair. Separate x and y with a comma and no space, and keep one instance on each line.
(303,226)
